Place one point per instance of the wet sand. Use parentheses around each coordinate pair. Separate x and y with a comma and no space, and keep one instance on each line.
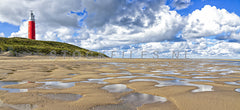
(41,83)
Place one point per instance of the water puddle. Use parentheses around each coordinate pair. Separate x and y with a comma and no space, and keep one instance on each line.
(219,70)
(63,97)
(237,90)
(195,74)
(117,88)
(132,101)
(98,81)
(169,73)
(18,106)
(71,74)
(56,85)
(10,90)
(183,82)
(116,64)
(138,99)
(205,77)
(157,71)
(101,81)
(232,83)
(227,73)
(126,73)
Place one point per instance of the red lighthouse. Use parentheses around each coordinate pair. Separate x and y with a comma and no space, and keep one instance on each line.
(31,27)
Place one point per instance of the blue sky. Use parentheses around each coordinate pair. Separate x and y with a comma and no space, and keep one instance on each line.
(204,28)
(230,5)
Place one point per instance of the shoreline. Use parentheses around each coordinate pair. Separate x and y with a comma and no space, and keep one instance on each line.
(50,84)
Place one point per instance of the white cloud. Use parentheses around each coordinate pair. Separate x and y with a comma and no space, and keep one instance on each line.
(108,24)
(2,34)
(210,21)
(23,31)
(235,36)
(196,48)
(165,26)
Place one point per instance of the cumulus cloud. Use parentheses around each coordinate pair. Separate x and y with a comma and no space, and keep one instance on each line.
(2,34)
(195,48)
(108,24)
(165,26)
(210,21)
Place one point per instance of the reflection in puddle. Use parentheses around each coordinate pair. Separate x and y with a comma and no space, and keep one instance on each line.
(237,90)
(116,63)
(132,101)
(201,88)
(166,72)
(221,70)
(157,71)
(98,81)
(63,97)
(195,74)
(204,77)
(117,88)
(232,83)
(126,73)
(101,81)
(56,85)
(10,90)
(227,73)
(170,72)
(138,99)
(18,106)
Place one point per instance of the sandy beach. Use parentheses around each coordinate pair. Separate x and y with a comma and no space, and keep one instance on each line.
(41,83)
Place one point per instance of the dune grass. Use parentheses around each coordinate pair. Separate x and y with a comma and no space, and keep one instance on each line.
(18,45)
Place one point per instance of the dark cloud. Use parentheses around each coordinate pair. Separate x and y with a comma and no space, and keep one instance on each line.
(181,4)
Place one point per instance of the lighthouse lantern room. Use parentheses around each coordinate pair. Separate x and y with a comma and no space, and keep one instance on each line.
(31,26)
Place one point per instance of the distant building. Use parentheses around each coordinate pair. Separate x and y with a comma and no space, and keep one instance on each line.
(31,27)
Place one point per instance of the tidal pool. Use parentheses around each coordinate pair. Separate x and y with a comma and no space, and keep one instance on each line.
(237,90)
(232,83)
(117,88)
(56,85)
(131,102)
(138,99)
(201,88)
(205,77)
(11,90)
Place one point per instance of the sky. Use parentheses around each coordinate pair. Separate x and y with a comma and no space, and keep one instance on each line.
(143,28)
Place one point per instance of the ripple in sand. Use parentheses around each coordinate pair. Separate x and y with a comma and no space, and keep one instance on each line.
(66,78)
(117,88)
(10,90)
